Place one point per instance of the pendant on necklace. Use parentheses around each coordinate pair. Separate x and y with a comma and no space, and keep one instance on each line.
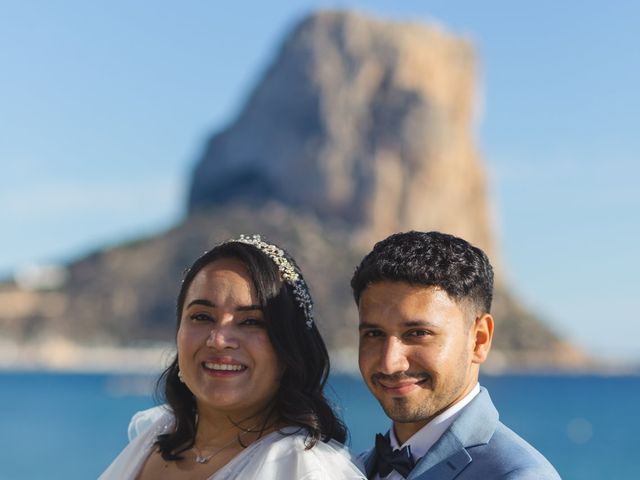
(201,459)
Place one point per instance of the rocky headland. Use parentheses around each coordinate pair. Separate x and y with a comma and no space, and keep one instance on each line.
(360,127)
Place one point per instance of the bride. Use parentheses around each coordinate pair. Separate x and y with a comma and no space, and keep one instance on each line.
(245,390)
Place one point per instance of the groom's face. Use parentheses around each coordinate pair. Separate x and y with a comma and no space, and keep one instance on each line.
(416,350)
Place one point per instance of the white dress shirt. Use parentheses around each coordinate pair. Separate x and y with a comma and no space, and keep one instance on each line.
(427,436)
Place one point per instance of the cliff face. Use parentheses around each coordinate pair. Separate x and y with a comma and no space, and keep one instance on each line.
(359,128)
(364,121)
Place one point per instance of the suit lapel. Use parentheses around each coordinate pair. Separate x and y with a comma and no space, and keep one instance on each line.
(443,461)
(449,456)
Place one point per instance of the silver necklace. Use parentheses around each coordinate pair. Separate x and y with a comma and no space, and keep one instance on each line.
(204,459)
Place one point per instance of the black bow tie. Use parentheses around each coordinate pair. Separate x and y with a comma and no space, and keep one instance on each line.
(399,460)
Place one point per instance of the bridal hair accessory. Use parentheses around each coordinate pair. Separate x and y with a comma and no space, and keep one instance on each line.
(288,272)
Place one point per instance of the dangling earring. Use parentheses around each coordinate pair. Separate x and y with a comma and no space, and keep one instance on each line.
(180,376)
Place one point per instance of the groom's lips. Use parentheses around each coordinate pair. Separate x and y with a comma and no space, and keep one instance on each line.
(400,388)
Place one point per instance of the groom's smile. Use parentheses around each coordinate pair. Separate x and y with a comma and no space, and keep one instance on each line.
(399,385)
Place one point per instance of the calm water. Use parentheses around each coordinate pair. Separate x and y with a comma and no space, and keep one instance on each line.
(70,426)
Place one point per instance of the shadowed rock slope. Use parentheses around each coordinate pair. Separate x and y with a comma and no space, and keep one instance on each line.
(126,294)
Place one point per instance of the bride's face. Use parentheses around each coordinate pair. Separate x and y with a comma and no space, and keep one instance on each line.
(224,352)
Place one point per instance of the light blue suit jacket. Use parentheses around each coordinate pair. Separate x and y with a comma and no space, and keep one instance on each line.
(477,446)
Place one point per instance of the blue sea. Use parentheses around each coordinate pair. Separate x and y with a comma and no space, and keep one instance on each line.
(70,426)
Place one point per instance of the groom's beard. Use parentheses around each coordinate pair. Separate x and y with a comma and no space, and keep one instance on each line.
(401,409)
(420,406)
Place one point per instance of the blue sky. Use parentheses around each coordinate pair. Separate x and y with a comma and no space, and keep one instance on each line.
(105,107)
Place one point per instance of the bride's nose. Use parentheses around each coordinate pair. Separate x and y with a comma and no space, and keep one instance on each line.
(222,336)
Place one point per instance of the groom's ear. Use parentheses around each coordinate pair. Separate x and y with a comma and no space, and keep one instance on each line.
(482,334)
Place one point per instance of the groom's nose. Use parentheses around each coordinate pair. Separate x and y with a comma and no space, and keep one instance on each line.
(393,358)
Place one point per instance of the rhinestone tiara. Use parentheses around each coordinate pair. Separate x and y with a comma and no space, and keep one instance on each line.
(289,273)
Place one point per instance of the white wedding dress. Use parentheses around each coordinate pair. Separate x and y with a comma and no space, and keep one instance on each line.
(276,456)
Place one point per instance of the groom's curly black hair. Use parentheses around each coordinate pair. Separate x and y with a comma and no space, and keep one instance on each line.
(430,259)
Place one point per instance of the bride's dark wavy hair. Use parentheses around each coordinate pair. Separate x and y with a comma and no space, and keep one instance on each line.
(300,400)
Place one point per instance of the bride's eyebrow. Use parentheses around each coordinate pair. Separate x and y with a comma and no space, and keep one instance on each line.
(208,303)
(203,302)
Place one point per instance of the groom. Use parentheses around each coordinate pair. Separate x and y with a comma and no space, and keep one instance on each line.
(424,301)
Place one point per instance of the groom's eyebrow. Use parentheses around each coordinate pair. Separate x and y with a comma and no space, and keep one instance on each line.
(407,324)
(419,323)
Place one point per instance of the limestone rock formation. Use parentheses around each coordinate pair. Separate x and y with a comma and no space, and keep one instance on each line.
(366,121)
(359,128)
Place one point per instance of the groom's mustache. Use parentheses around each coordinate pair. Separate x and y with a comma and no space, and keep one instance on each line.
(400,377)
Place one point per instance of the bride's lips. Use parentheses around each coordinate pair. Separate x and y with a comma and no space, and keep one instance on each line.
(223,367)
